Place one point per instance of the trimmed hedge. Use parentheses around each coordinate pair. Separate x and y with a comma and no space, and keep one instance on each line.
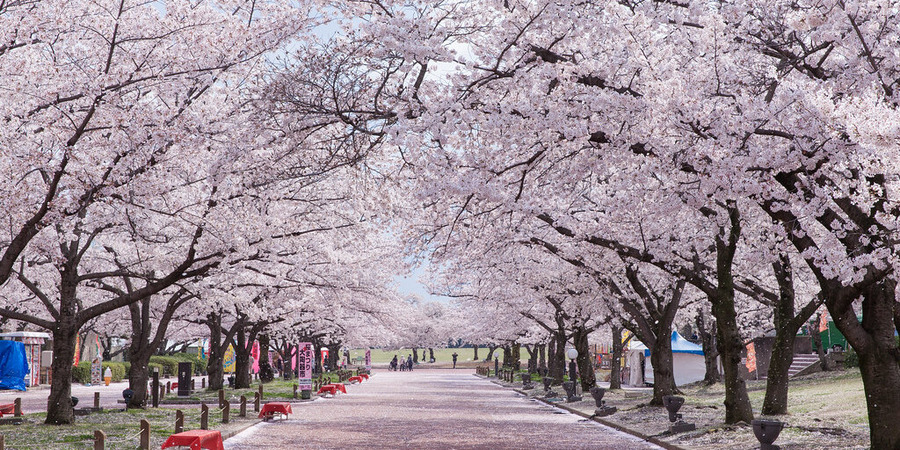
(82,372)
(169,364)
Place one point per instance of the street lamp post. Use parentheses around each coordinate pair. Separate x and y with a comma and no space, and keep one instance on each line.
(572,354)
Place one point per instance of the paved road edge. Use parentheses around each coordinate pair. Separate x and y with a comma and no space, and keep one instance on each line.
(635,433)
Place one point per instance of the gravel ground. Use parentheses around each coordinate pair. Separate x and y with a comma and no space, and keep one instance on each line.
(428,409)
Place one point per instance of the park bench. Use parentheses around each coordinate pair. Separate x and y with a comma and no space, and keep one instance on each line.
(269,410)
(196,440)
(8,409)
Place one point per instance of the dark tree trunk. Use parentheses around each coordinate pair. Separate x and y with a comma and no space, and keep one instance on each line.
(490,355)
(430,354)
(542,358)
(786,327)
(817,342)
(879,358)
(663,371)
(615,365)
(242,377)
(515,356)
(558,360)
(215,358)
(585,358)
(416,355)
(265,367)
(475,357)
(507,357)
(334,355)
(59,404)
(728,338)
(707,335)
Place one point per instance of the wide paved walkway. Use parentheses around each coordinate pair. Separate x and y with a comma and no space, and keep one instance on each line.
(429,409)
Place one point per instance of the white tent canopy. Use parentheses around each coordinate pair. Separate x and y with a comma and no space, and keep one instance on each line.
(687,361)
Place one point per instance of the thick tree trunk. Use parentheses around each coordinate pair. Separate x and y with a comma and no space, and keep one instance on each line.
(242,377)
(585,359)
(416,355)
(663,371)
(786,327)
(515,353)
(138,376)
(777,378)
(430,354)
(730,345)
(558,362)
(265,367)
(59,403)
(874,342)
(817,342)
(615,366)
(507,357)
(707,333)
(542,358)
(475,356)
(215,358)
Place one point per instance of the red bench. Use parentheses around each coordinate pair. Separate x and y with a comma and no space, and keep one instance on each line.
(270,409)
(357,379)
(9,408)
(196,439)
(327,389)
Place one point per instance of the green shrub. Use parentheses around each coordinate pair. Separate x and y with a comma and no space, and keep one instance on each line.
(168,364)
(151,365)
(118,370)
(82,372)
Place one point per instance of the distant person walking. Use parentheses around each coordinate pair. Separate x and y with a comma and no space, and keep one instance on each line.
(454,359)
(393,365)
(403,364)
(409,362)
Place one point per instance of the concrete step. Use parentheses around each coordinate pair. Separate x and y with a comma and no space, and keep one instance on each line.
(801,362)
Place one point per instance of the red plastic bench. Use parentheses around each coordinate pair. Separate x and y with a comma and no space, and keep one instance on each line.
(196,439)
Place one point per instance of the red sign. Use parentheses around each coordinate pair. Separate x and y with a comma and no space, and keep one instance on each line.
(305,360)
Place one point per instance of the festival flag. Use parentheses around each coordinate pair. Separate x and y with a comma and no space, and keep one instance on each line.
(99,348)
(77,350)
(751,357)
(823,321)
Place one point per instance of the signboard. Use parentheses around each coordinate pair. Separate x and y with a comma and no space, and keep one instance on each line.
(96,372)
(368,359)
(305,360)
(228,361)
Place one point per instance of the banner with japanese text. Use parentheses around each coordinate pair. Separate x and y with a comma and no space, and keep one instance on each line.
(305,360)
(368,359)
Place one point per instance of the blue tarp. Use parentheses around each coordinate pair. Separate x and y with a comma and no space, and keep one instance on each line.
(681,345)
(13,365)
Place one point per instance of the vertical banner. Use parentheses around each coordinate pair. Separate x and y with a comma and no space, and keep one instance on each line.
(305,360)
(368,359)
(229,365)
(96,371)
(324,357)
(77,349)
(751,357)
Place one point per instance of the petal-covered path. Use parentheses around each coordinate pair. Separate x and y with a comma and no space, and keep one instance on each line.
(431,409)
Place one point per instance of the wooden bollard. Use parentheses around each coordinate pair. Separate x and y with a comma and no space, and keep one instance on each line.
(204,416)
(17,408)
(99,440)
(168,387)
(243,412)
(256,401)
(295,390)
(226,413)
(3,446)
(203,383)
(179,421)
(260,391)
(145,435)
(193,385)
(96,400)
(221,398)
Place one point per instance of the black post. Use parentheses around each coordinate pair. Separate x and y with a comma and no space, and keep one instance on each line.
(155,388)
(497,367)
(184,379)
(573,375)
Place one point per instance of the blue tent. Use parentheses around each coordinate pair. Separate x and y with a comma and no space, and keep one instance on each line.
(13,365)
